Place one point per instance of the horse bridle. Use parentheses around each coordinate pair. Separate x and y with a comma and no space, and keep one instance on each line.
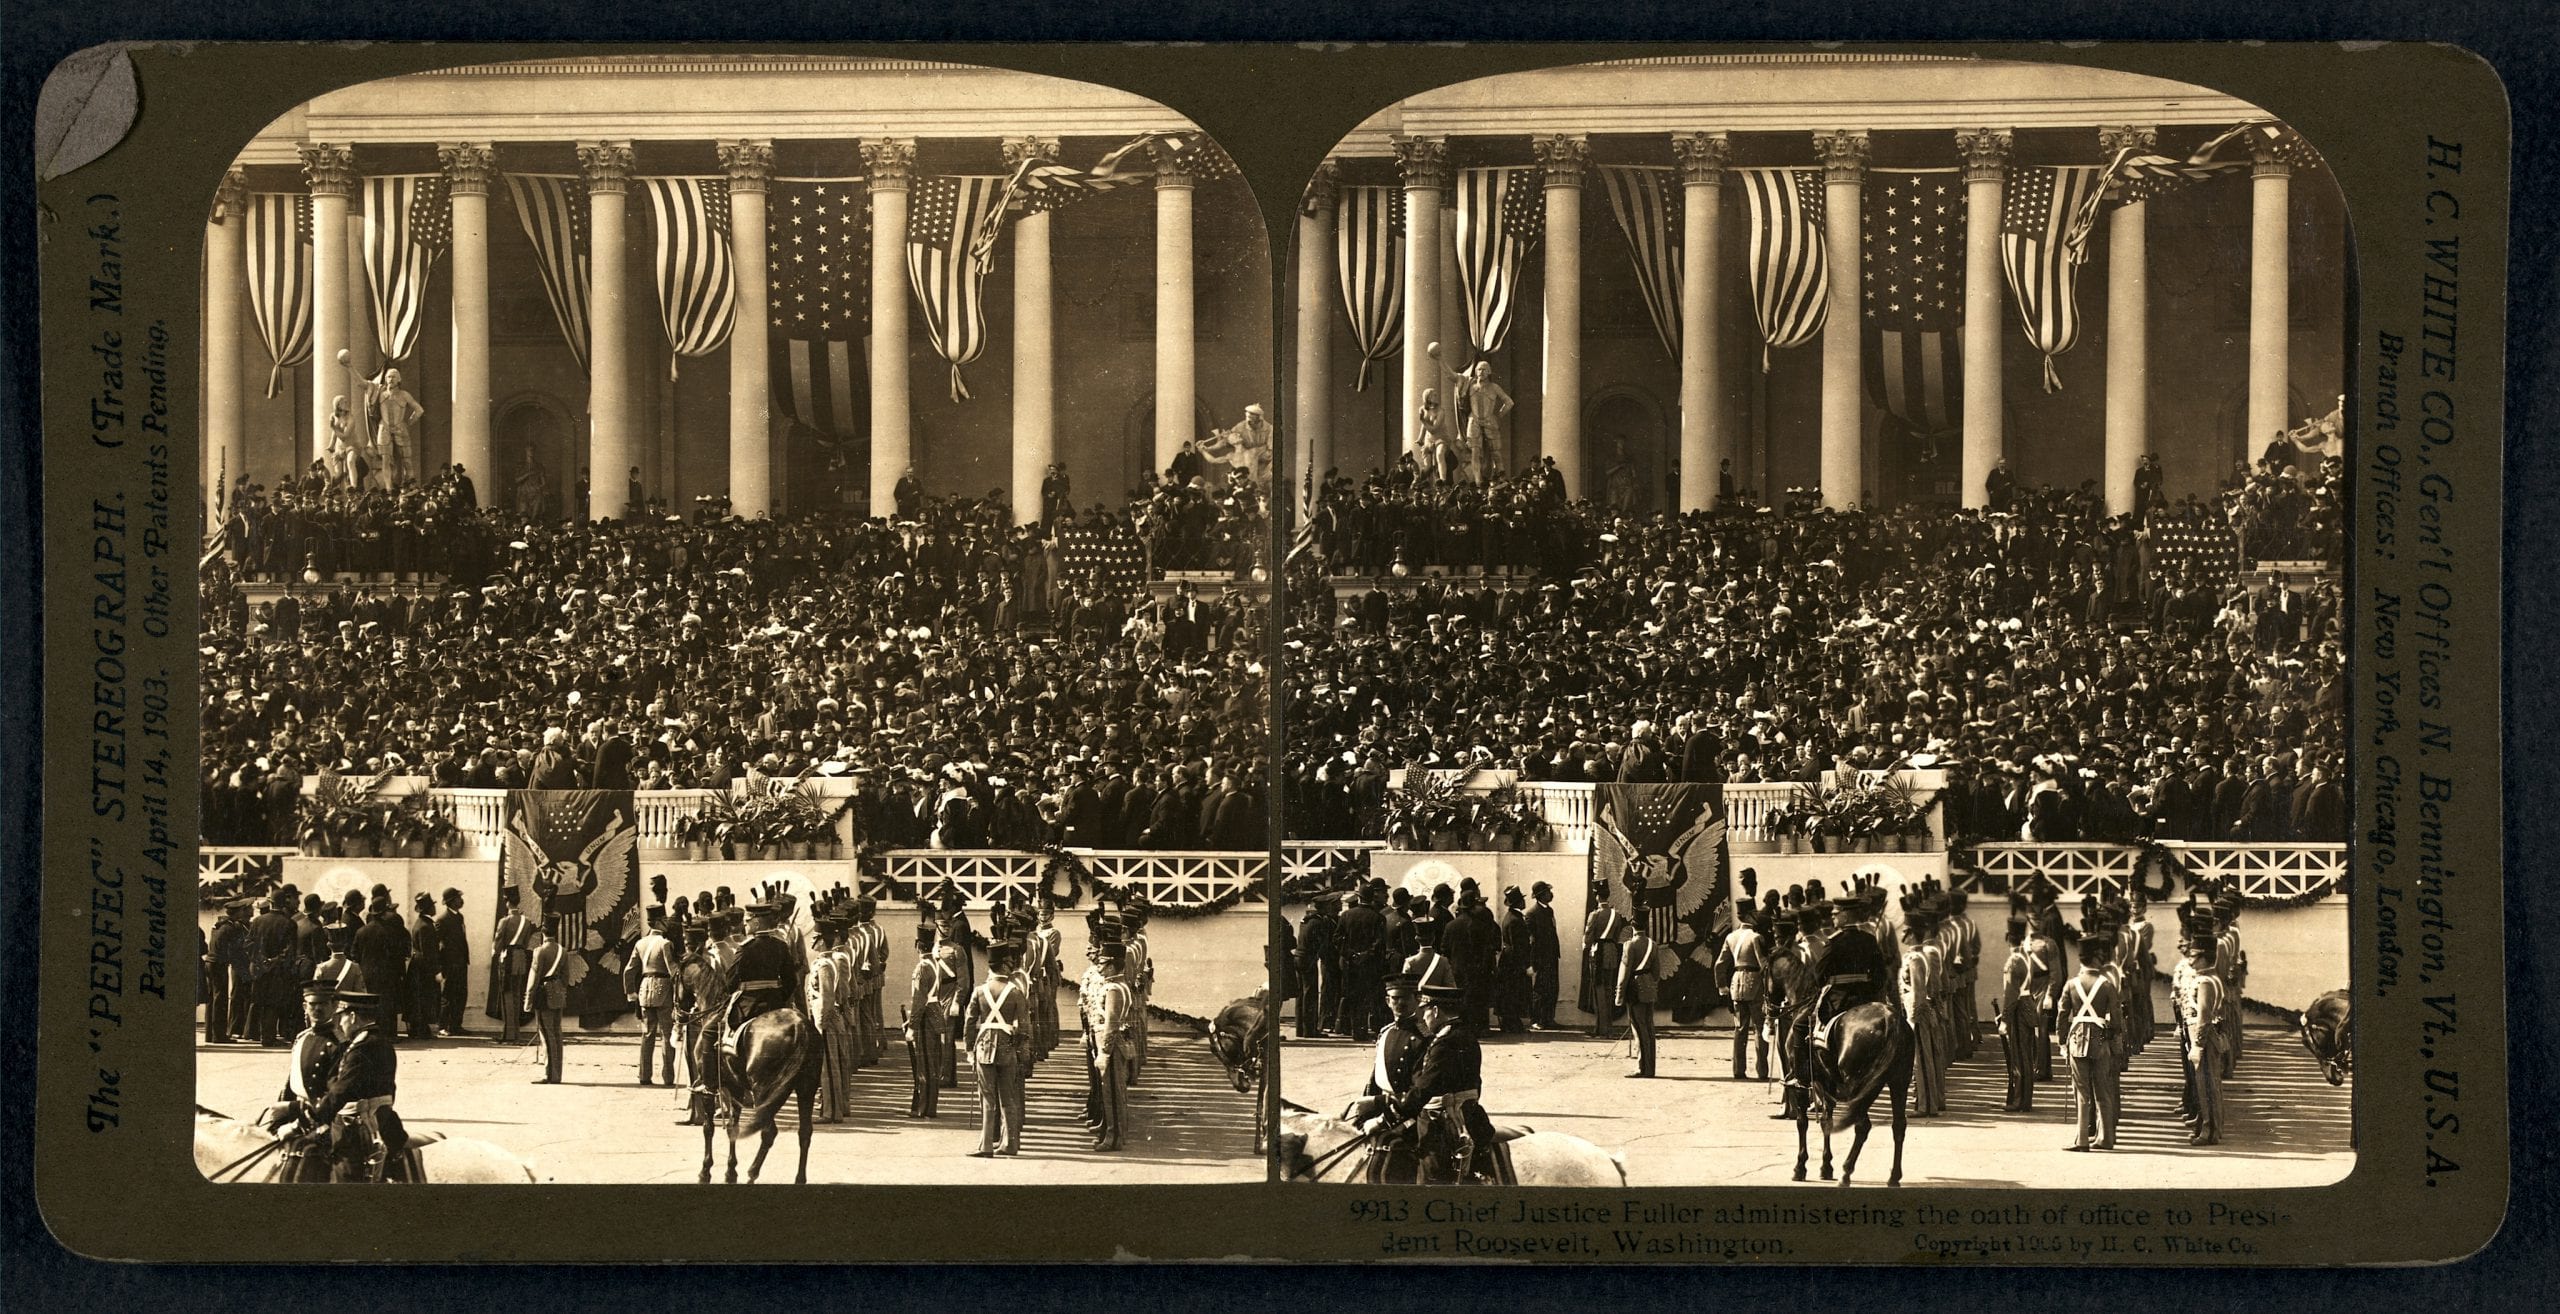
(241,1164)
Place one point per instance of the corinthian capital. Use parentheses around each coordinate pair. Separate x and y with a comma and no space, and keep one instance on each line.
(889,162)
(329,167)
(1702,155)
(1844,154)
(749,163)
(1424,162)
(607,165)
(1562,158)
(468,166)
(1986,152)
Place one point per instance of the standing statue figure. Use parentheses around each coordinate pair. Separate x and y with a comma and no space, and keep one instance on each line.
(390,436)
(344,453)
(1481,408)
(1253,443)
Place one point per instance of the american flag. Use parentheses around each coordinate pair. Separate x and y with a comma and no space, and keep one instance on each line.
(278,252)
(1186,152)
(1108,555)
(2134,176)
(1912,295)
(1649,209)
(818,258)
(407,224)
(1501,213)
(1040,186)
(1368,249)
(697,292)
(2035,220)
(553,210)
(942,223)
(1790,271)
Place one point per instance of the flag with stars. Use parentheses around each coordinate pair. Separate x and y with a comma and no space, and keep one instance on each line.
(407,224)
(697,293)
(2134,175)
(1790,267)
(1658,857)
(278,254)
(1911,290)
(552,208)
(572,859)
(2036,216)
(1368,252)
(1501,213)
(818,266)
(944,215)
(1649,206)
(1045,186)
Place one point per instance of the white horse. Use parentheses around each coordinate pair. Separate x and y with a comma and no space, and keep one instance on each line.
(229,1150)
(1319,1149)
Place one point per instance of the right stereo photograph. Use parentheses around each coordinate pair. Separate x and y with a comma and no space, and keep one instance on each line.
(1812,641)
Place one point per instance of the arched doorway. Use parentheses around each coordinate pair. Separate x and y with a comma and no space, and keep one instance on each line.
(536,445)
(1625,425)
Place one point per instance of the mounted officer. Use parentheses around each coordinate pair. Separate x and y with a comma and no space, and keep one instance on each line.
(1450,1135)
(348,1120)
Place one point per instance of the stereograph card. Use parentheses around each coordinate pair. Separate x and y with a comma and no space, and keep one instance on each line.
(1629,654)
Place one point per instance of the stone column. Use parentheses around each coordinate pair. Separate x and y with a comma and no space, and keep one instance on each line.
(1424,162)
(1562,161)
(226,272)
(1177,386)
(2270,298)
(1035,392)
(468,168)
(331,172)
(749,164)
(1844,171)
(1457,350)
(2128,425)
(890,163)
(364,355)
(1986,168)
(1310,418)
(1706,433)
(611,434)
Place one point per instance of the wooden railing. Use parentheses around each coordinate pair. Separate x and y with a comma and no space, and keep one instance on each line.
(1167,879)
(2262,871)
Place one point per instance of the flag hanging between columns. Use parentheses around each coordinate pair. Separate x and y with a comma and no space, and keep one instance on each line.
(1368,245)
(942,226)
(1912,296)
(2035,224)
(407,224)
(1790,268)
(278,251)
(818,267)
(1042,186)
(697,291)
(1501,213)
(1650,215)
(553,211)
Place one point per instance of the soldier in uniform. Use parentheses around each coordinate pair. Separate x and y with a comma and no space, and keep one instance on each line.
(1045,971)
(1961,941)
(703,985)
(1638,985)
(2022,985)
(546,995)
(1546,954)
(922,1029)
(1852,969)
(1111,1023)
(510,953)
(2231,964)
(651,981)
(2090,1019)
(767,973)
(354,1108)
(2195,994)
(869,948)
(1453,1137)
(1392,1065)
(1088,993)
(997,1017)
(1140,975)
(336,973)
(1743,972)
(1600,949)
(824,985)
(1786,1002)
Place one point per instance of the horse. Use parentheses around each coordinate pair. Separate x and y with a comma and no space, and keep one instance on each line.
(1869,1049)
(2328,1031)
(779,1057)
(1240,1036)
(230,1150)
(1321,1149)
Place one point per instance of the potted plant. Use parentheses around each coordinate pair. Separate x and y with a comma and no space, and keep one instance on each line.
(1424,809)
(1505,820)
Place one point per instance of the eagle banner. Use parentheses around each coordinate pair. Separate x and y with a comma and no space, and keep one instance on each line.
(574,855)
(1658,857)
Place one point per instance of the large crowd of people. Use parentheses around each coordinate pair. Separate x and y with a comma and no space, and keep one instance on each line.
(2081,682)
(978,690)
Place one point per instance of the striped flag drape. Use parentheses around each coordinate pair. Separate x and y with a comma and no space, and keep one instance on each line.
(1368,247)
(278,251)
(1912,294)
(1501,214)
(1649,208)
(553,210)
(943,222)
(2035,221)
(697,292)
(1790,270)
(407,224)
(818,264)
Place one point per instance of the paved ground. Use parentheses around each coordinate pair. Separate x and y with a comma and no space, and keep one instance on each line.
(2285,1125)
(599,1125)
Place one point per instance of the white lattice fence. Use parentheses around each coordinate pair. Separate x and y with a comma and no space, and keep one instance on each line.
(2262,871)
(2269,871)
(2075,869)
(978,874)
(240,867)
(1306,859)
(1183,879)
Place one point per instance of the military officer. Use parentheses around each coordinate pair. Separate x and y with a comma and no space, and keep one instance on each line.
(703,985)
(651,982)
(1638,985)
(546,995)
(1601,934)
(1743,970)
(1112,1023)
(510,952)
(1391,1067)
(1454,1138)
(354,1108)
(2091,1017)
(996,1022)
(922,1016)
(2022,984)
(2196,995)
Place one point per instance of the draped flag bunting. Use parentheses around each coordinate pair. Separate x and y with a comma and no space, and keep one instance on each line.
(1912,293)
(942,226)
(1790,272)
(818,263)
(697,292)
(1368,247)
(572,856)
(1658,856)
(2035,221)
(553,210)
(278,248)
(1041,186)
(1501,213)
(2133,176)
(407,224)
(1648,205)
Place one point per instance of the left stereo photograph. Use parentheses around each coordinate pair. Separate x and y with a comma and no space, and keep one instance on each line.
(732,635)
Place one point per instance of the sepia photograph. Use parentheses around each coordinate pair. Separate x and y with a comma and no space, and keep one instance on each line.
(1813,638)
(732,632)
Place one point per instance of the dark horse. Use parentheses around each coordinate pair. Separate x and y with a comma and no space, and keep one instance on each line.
(778,1057)
(1239,1036)
(1869,1051)
(2328,1031)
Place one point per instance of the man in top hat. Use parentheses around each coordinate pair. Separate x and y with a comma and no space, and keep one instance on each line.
(2022,987)
(2196,995)
(1512,988)
(1391,1068)
(1474,946)
(382,949)
(546,995)
(453,953)
(426,966)
(1546,953)
(1639,984)
(1601,936)
(995,1023)
(2089,1017)
(1111,1020)
(1364,962)
(650,977)
(1453,1137)
(510,952)
(272,983)
(226,973)
(354,1108)
(1319,967)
